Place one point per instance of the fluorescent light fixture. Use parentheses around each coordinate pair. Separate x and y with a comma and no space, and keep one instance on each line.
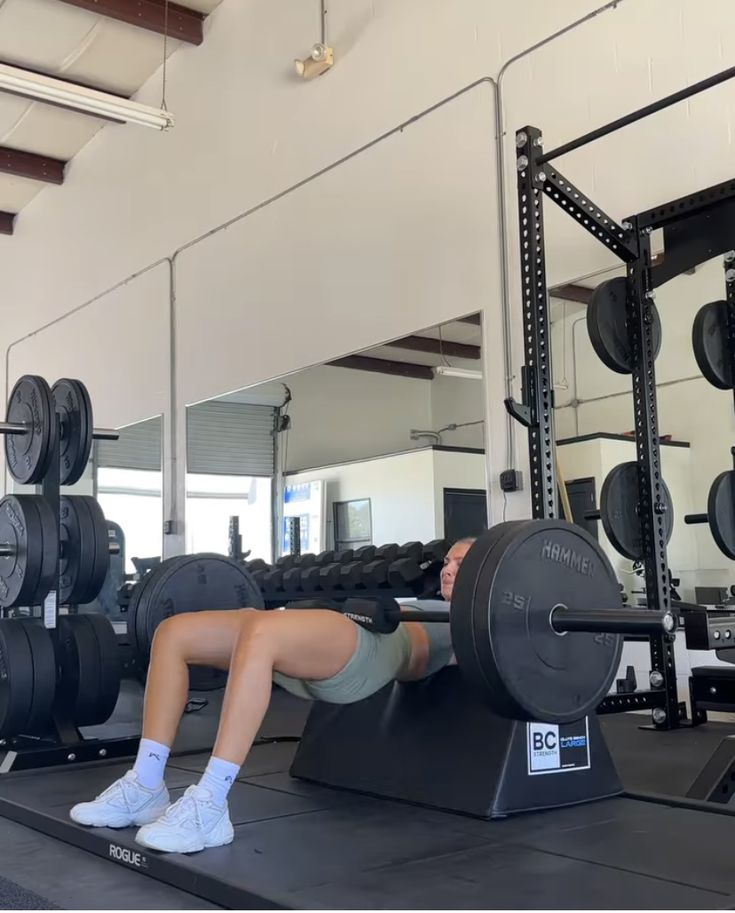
(78,98)
(466,373)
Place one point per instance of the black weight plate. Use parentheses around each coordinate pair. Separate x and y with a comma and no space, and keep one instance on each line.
(607,325)
(20,529)
(27,455)
(619,510)
(79,552)
(79,665)
(73,404)
(151,580)
(110,669)
(101,563)
(721,513)
(709,341)
(50,550)
(464,641)
(16,678)
(197,583)
(533,673)
(43,660)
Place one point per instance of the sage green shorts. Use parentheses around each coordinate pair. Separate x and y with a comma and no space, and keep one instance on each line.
(377,660)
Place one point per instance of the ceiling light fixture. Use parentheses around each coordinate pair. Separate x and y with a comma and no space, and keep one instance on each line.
(80,99)
(466,373)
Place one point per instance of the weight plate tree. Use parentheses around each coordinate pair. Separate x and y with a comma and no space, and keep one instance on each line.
(608,328)
(709,341)
(619,510)
(27,453)
(190,583)
(506,591)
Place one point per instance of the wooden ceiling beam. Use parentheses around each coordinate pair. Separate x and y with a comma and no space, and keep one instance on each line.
(183,24)
(30,165)
(383,366)
(436,347)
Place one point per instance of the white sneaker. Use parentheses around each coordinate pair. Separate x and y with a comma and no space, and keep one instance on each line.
(193,823)
(124,803)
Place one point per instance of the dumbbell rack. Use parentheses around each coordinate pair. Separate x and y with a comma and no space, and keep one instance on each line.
(62,743)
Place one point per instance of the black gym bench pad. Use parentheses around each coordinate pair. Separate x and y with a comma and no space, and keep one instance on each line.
(303,846)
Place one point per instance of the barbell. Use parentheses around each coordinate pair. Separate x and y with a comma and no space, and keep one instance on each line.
(536,619)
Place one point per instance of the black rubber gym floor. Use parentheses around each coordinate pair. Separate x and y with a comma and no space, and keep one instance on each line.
(300,845)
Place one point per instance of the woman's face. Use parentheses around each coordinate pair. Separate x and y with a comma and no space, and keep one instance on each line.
(452,562)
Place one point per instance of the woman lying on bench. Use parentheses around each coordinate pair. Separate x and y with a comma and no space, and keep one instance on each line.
(313,653)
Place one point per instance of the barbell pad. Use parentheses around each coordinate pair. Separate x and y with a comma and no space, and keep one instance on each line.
(413,550)
(328,604)
(329,576)
(375,573)
(436,550)
(351,575)
(381,616)
(310,577)
(389,552)
(292,579)
(365,554)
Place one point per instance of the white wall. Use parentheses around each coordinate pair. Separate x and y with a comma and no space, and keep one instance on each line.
(400,488)
(455,470)
(340,414)
(403,235)
(455,400)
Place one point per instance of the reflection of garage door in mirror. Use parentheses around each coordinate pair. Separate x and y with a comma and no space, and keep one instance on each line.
(465,512)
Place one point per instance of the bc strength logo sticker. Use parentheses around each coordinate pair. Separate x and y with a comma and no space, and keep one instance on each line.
(558,749)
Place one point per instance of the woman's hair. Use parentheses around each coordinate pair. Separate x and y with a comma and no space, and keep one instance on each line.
(468,540)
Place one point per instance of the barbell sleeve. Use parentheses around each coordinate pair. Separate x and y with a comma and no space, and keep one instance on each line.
(99,434)
(612,621)
(6,550)
(434,615)
(592,515)
(696,518)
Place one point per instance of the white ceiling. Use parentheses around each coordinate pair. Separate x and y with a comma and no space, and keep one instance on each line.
(64,41)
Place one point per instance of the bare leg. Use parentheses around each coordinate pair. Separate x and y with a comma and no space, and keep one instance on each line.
(309,644)
(199,638)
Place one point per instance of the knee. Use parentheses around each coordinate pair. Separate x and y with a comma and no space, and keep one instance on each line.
(257,631)
(172,633)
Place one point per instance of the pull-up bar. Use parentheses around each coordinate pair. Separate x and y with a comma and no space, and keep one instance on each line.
(638,115)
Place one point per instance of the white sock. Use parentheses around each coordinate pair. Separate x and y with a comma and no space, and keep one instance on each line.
(219,777)
(151,763)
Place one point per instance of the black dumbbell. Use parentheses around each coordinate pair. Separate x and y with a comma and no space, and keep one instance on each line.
(292,579)
(324,558)
(305,560)
(389,552)
(375,573)
(343,556)
(286,561)
(405,572)
(257,564)
(310,578)
(436,550)
(412,550)
(365,554)
(351,575)
(258,578)
(329,577)
(272,581)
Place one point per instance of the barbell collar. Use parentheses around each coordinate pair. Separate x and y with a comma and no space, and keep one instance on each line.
(696,518)
(612,621)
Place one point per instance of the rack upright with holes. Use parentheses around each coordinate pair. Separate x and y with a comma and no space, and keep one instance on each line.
(696,228)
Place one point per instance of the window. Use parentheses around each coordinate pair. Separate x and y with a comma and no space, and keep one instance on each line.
(132,498)
(353,526)
(210,502)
